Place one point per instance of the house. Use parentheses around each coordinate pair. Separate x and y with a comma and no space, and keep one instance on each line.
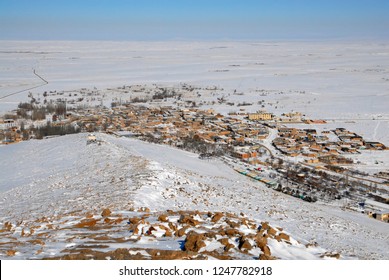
(335,159)
(375,146)
(260,116)
(384,217)
(7,123)
(313,160)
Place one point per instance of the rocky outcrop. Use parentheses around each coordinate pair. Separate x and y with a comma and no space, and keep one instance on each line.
(189,234)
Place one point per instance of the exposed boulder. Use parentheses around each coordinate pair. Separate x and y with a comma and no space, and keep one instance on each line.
(217,217)
(244,244)
(134,220)
(260,241)
(233,224)
(194,242)
(228,247)
(271,231)
(11,253)
(189,220)
(86,223)
(232,232)
(331,255)
(224,241)
(282,236)
(181,232)
(106,212)
(163,218)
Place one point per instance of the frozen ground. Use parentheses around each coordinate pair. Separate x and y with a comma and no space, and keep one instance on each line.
(331,80)
(61,176)
(345,83)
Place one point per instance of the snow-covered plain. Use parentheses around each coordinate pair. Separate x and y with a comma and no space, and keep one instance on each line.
(123,173)
(330,80)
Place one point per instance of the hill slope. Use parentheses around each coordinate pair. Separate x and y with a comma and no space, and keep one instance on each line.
(52,185)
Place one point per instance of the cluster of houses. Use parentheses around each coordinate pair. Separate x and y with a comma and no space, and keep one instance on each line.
(167,124)
(10,131)
(171,125)
(328,147)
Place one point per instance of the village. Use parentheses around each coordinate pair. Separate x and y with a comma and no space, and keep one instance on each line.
(304,163)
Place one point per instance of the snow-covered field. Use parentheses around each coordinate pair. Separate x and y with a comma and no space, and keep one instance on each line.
(61,176)
(331,80)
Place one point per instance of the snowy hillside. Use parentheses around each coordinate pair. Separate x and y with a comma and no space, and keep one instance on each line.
(57,183)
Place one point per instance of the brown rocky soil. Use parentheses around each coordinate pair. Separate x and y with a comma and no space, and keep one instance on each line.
(187,234)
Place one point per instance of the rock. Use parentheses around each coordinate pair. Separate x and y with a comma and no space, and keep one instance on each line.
(106,212)
(134,220)
(167,254)
(181,232)
(163,227)
(216,217)
(186,219)
(150,230)
(265,225)
(11,253)
(282,236)
(232,232)
(86,223)
(168,232)
(271,231)
(233,224)
(194,242)
(260,241)
(7,226)
(118,220)
(312,244)
(331,255)
(172,226)
(228,247)
(244,244)
(224,241)
(266,251)
(210,234)
(163,218)
(37,242)
(261,232)
(89,215)
(264,257)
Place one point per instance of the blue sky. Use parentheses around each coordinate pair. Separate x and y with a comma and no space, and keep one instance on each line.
(193,19)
